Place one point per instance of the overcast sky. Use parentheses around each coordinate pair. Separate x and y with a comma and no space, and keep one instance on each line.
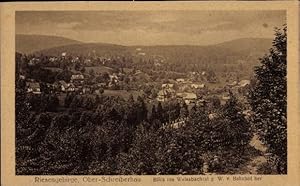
(151,27)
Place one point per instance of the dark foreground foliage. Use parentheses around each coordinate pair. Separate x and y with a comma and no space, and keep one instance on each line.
(117,136)
(268,99)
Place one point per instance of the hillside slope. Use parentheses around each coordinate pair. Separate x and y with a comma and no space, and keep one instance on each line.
(86,49)
(31,43)
(239,47)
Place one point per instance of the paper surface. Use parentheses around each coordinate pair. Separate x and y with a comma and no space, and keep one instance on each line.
(8,30)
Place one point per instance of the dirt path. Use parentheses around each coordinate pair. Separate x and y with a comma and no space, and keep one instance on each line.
(257,144)
(255,162)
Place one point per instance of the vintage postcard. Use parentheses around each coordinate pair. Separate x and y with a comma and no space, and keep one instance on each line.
(150,93)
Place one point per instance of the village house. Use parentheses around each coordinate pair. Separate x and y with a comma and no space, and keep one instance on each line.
(187,97)
(165,94)
(190,98)
(53,59)
(232,84)
(184,87)
(87,62)
(201,102)
(188,82)
(141,53)
(71,87)
(33,87)
(63,85)
(33,61)
(22,77)
(75,60)
(77,79)
(225,97)
(239,87)
(113,78)
(180,80)
(101,85)
(49,85)
(167,85)
(243,86)
(244,83)
(197,86)
(192,74)
(138,72)
(157,64)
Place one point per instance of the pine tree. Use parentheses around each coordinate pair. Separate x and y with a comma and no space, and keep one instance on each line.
(268,98)
(184,111)
(239,131)
(177,110)
(22,108)
(141,109)
(159,112)
(153,113)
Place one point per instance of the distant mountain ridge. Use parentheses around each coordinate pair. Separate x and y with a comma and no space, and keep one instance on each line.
(32,43)
(85,49)
(239,48)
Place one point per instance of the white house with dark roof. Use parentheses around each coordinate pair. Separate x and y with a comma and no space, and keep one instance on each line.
(187,97)
(63,85)
(77,78)
(167,85)
(165,94)
(197,86)
(180,80)
(232,84)
(33,87)
(244,83)
(71,87)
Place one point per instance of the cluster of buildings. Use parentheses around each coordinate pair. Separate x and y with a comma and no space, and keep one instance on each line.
(239,87)
(76,84)
(33,87)
(185,90)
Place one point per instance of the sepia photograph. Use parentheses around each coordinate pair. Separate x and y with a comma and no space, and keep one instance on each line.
(175,92)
